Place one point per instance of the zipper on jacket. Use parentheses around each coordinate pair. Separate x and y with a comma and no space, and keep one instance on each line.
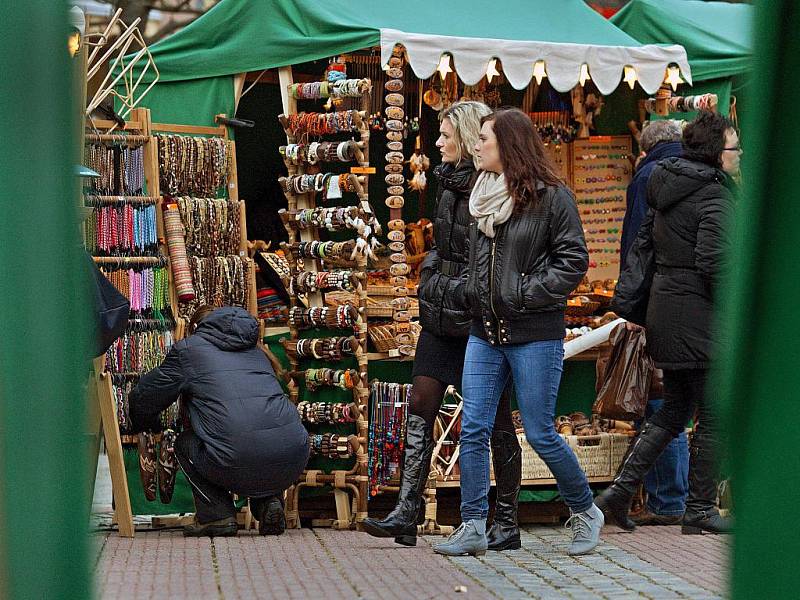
(491,278)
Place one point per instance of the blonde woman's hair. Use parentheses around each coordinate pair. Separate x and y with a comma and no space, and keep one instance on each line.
(465,117)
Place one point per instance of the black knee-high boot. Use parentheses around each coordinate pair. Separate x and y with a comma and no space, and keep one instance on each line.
(615,501)
(701,505)
(401,523)
(507,463)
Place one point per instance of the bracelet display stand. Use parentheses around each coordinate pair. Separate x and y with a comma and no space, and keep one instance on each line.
(141,132)
(315,268)
(136,133)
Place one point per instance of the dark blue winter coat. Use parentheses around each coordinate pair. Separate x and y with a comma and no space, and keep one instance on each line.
(236,405)
(637,194)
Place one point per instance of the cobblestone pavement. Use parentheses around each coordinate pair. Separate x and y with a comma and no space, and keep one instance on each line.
(328,564)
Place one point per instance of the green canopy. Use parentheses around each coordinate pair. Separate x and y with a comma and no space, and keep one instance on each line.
(248,35)
(717,35)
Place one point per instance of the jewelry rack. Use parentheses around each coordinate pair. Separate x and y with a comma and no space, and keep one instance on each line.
(602,170)
(136,133)
(231,191)
(304,154)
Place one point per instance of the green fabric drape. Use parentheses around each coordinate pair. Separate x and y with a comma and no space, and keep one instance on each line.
(758,376)
(191,102)
(717,36)
(246,35)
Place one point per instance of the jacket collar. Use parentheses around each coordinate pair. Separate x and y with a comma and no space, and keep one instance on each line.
(661,151)
(458,178)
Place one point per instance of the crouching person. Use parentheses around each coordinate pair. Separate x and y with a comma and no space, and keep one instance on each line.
(245,437)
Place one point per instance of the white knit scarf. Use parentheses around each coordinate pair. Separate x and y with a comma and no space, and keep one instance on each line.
(490,202)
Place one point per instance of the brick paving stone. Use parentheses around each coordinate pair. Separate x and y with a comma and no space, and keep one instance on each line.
(323,563)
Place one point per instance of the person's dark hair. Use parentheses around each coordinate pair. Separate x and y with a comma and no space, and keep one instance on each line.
(525,161)
(704,138)
(201,313)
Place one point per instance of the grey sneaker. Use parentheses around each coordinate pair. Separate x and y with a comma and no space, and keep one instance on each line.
(468,538)
(586,528)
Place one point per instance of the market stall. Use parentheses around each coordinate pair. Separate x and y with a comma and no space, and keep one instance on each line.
(717,37)
(353,90)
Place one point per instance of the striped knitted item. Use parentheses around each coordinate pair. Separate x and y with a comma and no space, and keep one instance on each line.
(181,273)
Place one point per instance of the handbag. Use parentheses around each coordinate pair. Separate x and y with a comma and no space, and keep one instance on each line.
(632,292)
(624,379)
(111,310)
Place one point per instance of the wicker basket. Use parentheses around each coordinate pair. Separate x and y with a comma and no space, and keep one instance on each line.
(587,308)
(593,452)
(619,446)
(382,337)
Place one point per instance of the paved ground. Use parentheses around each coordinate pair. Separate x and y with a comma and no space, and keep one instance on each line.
(327,564)
(324,563)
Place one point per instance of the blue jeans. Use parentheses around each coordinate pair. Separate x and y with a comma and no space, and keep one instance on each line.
(536,370)
(667,482)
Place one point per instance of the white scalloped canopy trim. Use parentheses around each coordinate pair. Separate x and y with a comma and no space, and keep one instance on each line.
(562,61)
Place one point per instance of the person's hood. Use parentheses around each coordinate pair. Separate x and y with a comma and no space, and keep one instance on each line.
(229,328)
(675,179)
(458,178)
(661,151)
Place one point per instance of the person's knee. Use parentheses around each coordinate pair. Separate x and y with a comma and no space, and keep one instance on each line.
(475,432)
(544,441)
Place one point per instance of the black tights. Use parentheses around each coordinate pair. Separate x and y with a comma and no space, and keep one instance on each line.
(426,399)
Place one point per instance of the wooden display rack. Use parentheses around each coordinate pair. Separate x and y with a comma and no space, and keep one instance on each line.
(355,480)
(232,188)
(140,129)
(100,391)
(612,165)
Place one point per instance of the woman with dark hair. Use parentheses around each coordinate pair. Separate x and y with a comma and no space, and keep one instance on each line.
(690,203)
(526,254)
(440,352)
(245,435)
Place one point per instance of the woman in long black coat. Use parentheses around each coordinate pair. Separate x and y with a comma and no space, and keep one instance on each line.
(690,205)
(245,436)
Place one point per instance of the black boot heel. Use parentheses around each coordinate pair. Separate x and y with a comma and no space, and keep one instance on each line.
(406,540)
(691,530)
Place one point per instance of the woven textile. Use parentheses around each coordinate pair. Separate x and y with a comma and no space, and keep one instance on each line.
(176,243)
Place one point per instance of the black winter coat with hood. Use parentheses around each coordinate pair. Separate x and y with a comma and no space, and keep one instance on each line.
(691,206)
(236,405)
(518,282)
(442,311)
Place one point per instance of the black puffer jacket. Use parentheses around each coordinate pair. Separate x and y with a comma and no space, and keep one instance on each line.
(236,405)
(441,289)
(691,208)
(518,281)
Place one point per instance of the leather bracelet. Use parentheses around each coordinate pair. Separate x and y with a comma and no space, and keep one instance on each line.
(395,179)
(399,269)
(393,85)
(395,112)
(395,202)
(395,100)
(394,157)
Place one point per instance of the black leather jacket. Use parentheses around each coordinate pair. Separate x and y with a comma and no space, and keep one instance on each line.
(518,281)
(441,289)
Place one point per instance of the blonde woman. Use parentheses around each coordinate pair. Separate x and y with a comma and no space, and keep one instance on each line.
(440,352)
